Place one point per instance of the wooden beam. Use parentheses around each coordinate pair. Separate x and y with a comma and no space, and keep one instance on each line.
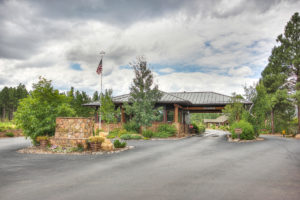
(176,105)
(203,108)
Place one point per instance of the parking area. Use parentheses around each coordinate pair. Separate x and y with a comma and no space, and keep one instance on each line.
(205,167)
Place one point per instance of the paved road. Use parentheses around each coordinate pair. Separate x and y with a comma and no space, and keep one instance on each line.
(195,168)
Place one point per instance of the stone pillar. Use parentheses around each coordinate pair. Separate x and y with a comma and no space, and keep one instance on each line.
(123,120)
(175,113)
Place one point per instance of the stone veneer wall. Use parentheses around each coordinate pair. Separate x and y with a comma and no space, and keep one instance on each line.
(181,128)
(71,131)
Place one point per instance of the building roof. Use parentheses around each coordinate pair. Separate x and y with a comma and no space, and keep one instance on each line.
(221,119)
(184,98)
(166,98)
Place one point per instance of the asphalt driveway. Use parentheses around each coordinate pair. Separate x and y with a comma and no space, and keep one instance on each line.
(205,167)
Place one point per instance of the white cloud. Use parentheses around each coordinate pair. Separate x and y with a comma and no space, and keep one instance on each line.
(203,82)
(234,42)
(243,71)
(167,70)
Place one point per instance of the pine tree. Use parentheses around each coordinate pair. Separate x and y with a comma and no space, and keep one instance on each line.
(142,95)
(96,96)
(283,72)
(290,56)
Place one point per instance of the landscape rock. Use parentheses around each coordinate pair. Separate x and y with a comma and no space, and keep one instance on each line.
(297,136)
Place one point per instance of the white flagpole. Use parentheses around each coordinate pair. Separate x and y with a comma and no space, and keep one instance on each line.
(102,54)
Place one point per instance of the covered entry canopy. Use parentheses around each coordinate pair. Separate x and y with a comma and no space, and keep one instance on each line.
(183,102)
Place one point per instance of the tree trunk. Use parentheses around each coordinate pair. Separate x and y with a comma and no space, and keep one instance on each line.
(272,121)
(3,113)
(12,113)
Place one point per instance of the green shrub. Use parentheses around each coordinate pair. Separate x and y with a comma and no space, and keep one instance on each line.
(9,134)
(213,126)
(234,135)
(96,139)
(224,128)
(125,137)
(136,137)
(117,132)
(113,133)
(195,127)
(131,126)
(130,137)
(118,144)
(39,138)
(80,147)
(201,128)
(122,132)
(162,134)
(148,133)
(168,128)
(248,130)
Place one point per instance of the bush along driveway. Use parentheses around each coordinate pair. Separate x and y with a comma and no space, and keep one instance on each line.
(193,168)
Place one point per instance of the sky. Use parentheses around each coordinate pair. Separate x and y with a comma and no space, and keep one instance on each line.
(191,45)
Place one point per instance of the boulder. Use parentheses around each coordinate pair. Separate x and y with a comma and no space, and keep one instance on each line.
(107,145)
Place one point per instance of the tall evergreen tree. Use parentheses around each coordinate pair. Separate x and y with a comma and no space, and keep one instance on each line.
(142,95)
(290,56)
(96,96)
(283,72)
(9,100)
(77,98)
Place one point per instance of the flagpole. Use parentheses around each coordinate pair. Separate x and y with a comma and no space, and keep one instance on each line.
(102,54)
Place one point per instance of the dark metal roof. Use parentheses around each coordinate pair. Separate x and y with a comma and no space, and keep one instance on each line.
(206,98)
(184,98)
(166,98)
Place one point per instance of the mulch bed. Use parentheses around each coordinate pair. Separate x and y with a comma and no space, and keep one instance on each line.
(37,150)
(229,139)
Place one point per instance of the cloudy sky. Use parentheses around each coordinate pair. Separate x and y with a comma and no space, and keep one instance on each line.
(217,45)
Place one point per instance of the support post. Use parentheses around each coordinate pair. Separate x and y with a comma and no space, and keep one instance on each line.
(122,115)
(175,113)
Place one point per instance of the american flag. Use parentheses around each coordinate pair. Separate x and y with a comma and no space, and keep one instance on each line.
(99,69)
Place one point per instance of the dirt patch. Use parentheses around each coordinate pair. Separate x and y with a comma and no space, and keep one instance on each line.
(16,132)
(36,150)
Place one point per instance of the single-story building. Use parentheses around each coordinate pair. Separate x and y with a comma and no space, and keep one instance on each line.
(220,121)
(175,107)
